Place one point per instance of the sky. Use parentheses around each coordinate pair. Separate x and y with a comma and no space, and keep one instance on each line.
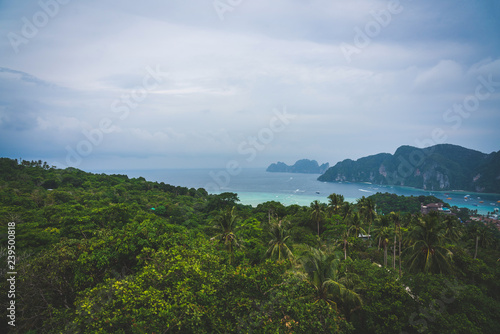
(102,85)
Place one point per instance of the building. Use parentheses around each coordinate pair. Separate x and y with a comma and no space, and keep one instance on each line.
(425,209)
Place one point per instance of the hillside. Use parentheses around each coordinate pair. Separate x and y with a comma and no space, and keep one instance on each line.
(97,253)
(440,167)
(301,166)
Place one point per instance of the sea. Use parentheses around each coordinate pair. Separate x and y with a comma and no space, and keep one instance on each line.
(255,186)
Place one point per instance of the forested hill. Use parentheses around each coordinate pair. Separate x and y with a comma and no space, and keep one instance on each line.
(97,253)
(300,166)
(440,167)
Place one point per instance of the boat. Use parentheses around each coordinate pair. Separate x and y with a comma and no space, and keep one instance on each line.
(481,201)
(448,198)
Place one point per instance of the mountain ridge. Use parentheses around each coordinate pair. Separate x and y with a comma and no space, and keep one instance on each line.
(439,167)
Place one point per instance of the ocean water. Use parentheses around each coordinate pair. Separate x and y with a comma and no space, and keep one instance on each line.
(255,185)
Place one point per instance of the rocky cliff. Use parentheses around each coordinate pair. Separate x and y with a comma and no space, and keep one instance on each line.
(440,167)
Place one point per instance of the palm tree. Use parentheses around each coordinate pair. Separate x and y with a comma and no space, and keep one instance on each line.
(323,274)
(384,234)
(380,222)
(345,236)
(345,209)
(427,252)
(482,235)
(227,225)
(335,203)
(399,233)
(355,223)
(453,228)
(317,212)
(279,236)
(396,219)
(367,210)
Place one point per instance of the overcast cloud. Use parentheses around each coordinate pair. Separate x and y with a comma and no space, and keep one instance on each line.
(167,84)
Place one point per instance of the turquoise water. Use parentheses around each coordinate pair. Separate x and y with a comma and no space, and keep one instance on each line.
(255,186)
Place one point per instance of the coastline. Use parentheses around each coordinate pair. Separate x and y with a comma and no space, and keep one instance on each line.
(417,189)
(255,186)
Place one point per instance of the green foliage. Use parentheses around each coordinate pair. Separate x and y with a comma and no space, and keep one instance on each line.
(387,203)
(279,234)
(324,275)
(428,252)
(93,257)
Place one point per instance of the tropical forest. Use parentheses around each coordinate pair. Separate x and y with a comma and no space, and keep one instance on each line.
(98,253)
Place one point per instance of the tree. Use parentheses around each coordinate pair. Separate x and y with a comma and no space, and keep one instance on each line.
(367,210)
(345,209)
(335,202)
(396,219)
(222,201)
(453,229)
(279,236)
(482,235)
(428,252)
(323,274)
(355,223)
(317,212)
(345,236)
(226,225)
(384,234)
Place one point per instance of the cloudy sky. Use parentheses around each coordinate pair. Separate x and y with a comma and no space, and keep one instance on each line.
(178,83)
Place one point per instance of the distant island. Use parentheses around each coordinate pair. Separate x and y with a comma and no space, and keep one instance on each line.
(440,167)
(301,166)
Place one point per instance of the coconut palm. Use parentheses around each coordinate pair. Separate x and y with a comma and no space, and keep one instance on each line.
(367,210)
(226,224)
(335,202)
(345,210)
(399,232)
(453,229)
(279,234)
(323,274)
(428,252)
(380,222)
(355,223)
(482,234)
(396,219)
(317,212)
(346,231)
(384,234)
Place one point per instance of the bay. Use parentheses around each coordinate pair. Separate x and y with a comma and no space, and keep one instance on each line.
(255,185)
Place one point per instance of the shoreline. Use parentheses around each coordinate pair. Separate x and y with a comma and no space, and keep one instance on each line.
(414,188)
(255,186)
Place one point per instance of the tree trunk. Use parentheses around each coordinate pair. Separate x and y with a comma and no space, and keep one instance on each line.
(385,254)
(369,236)
(394,254)
(399,256)
(477,241)
(345,249)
